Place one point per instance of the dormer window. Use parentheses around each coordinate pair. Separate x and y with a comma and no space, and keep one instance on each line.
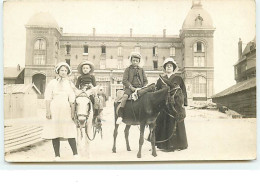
(199,20)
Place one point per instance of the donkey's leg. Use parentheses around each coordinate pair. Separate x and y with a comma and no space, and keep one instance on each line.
(115,135)
(127,128)
(141,139)
(151,127)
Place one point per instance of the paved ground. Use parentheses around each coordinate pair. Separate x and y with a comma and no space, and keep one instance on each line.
(211,136)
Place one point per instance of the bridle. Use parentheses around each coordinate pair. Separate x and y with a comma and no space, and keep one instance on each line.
(79,124)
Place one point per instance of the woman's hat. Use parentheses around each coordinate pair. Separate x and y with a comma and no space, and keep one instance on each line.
(86,62)
(170,61)
(60,64)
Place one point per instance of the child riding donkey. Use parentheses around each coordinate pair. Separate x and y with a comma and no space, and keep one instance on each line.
(134,78)
(86,81)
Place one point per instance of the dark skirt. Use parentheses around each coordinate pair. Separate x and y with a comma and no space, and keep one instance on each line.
(164,131)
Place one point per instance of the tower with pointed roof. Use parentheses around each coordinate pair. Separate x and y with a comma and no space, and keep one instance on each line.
(197,35)
(42,45)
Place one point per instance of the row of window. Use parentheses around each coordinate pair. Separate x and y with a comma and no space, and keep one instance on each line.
(40,44)
(120,49)
(120,65)
(40,52)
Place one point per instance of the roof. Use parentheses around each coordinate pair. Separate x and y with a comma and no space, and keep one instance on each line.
(12,72)
(120,35)
(42,19)
(19,88)
(197,13)
(249,47)
(241,86)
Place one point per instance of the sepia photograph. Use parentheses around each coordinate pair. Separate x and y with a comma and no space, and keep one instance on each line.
(129,80)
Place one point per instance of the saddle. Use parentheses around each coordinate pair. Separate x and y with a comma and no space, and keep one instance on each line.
(137,94)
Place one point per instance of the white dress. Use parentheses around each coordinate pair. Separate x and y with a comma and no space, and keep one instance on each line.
(61,125)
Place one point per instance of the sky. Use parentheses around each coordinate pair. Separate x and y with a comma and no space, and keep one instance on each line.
(233,19)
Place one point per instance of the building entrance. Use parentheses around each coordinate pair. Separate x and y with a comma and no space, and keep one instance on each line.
(39,81)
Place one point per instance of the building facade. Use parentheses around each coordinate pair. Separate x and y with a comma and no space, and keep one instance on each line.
(241,97)
(192,48)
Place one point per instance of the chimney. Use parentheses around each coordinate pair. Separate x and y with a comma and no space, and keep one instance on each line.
(131,32)
(164,33)
(196,3)
(18,67)
(94,32)
(239,48)
(61,29)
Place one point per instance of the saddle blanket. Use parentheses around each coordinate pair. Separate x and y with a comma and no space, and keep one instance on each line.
(135,95)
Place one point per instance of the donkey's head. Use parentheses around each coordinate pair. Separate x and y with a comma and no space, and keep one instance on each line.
(83,108)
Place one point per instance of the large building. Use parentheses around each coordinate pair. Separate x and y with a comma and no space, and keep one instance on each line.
(192,48)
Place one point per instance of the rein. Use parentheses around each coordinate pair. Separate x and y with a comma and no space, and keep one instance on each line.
(175,126)
(85,124)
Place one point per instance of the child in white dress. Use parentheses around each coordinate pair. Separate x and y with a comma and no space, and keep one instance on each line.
(60,97)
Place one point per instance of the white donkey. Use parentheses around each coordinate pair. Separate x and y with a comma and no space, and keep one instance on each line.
(83,120)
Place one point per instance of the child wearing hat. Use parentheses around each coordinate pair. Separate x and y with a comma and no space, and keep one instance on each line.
(59,96)
(86,80)
(134,77)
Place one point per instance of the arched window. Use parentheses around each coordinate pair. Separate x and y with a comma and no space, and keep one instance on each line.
(199,85)
(39,81)
(198,47)
(199,54)
(39,52)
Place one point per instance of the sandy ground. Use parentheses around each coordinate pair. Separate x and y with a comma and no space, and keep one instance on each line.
(211,136)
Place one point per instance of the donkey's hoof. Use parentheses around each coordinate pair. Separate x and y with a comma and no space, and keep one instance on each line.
(114,150)
(138,155)
(128,149)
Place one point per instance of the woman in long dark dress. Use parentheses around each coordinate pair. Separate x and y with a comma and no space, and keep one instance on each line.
(165,121)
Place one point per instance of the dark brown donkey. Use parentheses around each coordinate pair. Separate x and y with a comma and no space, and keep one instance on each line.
(143,111)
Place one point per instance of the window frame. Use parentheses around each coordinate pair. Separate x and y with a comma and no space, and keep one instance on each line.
(103,48)
(40,51)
